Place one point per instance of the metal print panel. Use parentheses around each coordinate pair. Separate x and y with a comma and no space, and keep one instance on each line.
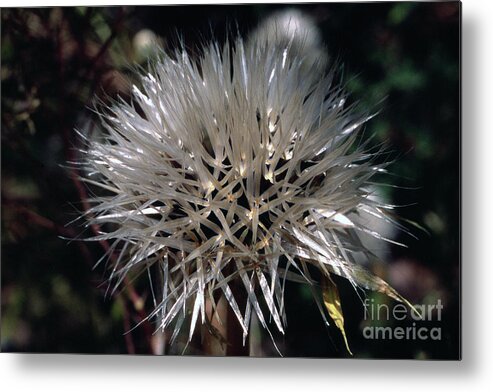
(237,180)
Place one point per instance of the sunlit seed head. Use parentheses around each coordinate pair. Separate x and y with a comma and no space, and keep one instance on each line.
(237,169)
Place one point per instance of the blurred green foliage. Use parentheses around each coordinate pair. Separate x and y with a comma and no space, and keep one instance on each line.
(400,58)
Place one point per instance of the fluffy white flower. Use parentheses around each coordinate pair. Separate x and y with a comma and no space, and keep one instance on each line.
(239,167)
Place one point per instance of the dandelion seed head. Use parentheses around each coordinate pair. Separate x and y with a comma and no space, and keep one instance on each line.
(239,167)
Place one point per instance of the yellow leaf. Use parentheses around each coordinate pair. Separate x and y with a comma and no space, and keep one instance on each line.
(333,304)
(369,281)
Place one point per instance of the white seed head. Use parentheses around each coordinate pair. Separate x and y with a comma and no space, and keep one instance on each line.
(236,168)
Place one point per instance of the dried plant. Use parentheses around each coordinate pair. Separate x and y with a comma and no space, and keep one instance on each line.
(243,167)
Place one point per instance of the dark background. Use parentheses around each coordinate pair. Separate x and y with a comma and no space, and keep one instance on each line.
(55,60)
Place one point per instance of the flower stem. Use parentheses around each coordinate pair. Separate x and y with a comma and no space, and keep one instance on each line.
(235,347)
